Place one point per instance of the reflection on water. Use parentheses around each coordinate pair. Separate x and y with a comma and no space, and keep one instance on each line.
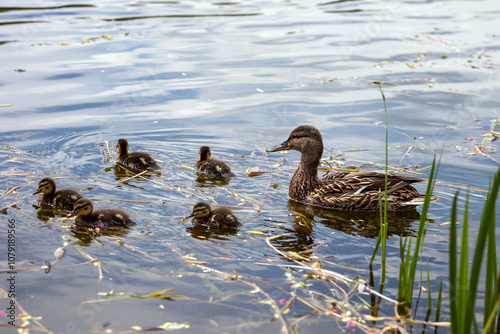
(203,232)
(365,224)
(85,236)
(46,212)
(123,173)
(301,235)
(205,181)
(131,18)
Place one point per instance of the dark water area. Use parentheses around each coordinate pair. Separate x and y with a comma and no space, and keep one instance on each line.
(171,76)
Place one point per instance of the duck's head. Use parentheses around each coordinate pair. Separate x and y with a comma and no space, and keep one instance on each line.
(82,207)
(204,153)
(122,146)
(305,138)
(201,209)
(46,186)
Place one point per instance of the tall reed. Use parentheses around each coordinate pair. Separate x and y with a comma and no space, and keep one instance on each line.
(464,286)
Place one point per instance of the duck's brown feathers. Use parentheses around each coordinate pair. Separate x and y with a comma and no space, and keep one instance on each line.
(64,198)
(353,191)
(220,217)
(349,191)
(136,160)
(110,218)
(212,167)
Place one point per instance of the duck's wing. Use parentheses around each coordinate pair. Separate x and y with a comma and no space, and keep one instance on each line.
(223,218)
(66,198)
(114,218)
(214,168)
(367,181)
(362,191)
(141,160)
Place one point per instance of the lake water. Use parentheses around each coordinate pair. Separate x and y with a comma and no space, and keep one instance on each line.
(171,76)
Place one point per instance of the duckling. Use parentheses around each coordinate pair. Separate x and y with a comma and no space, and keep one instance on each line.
(105,218)
(218,218)
(350,191)
(212,167)
(137,160)
(64,198)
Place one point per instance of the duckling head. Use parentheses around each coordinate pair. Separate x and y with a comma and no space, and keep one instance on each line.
(305,138)
(122,147)
(46,186)
(201,209)
(204,153)
(82,207)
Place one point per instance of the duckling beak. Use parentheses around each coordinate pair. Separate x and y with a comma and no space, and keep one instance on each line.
(282,147)
(71,214)
(191,215)
(37,192)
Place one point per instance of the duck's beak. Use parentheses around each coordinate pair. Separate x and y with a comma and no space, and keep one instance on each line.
(71,214)
(37,192)
(190,216)
(282,147)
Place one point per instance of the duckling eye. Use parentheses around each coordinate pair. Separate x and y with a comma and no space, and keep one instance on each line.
(80,208)
(201,211)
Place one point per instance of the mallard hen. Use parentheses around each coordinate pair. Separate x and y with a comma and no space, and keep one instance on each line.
(350,191)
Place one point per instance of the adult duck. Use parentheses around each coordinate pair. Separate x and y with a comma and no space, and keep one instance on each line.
(350,191)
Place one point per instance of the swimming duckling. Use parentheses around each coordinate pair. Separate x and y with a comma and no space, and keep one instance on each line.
(212,167)
(137,160)
(218,218)
(107,218)
(64,198)
(349,191)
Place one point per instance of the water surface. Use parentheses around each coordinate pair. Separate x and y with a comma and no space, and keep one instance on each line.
(171,76)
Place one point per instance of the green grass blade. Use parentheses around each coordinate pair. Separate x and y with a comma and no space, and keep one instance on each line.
(403,270)
(421,228)
(452,253)
(408,290)
(384,224)
(377,245)
(491,288)
(463,265)
(490,320)
(487,218)
(438,304)
(498,299)
(429,297)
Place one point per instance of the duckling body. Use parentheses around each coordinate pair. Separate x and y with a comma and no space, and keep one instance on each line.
(217,218)
(137,160)
(64,198)
(350,191)
(212,167)
(109,218)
